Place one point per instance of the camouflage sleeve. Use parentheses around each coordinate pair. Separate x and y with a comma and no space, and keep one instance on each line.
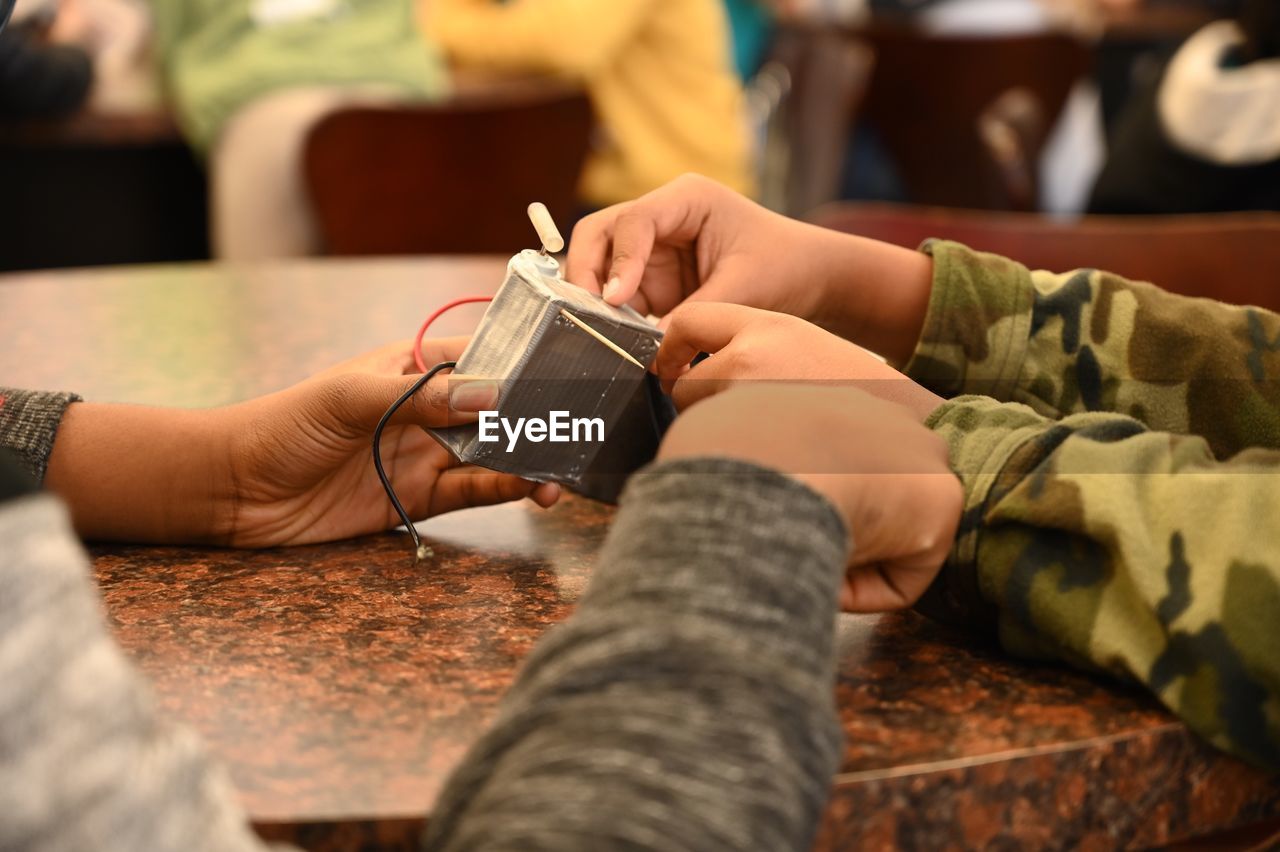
(1097,541)
(1093,341)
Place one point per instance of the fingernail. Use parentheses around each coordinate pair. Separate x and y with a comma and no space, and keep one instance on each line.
(473,396)
(611,289)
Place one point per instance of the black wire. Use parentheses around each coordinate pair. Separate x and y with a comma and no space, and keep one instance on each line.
(377,450)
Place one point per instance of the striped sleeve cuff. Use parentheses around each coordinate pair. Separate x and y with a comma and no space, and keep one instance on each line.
(29,423)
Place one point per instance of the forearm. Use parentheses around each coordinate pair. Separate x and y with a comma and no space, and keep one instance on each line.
(1092,341)
(135,473)
(871,292)
(703,651)
(1096,541)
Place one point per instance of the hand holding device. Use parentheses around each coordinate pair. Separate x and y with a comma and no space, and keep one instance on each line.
(886,474)
(750,345)
(694,239)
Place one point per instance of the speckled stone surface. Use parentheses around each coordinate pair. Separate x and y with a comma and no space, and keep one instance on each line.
(340,683)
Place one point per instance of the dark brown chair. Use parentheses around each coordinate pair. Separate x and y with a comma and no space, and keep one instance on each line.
(1230,257)
(928,96)
(827,75)
(451,178)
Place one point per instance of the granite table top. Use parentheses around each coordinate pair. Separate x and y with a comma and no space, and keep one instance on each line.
(340,683)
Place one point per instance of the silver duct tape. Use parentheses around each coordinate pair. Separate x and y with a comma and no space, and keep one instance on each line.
(543,363)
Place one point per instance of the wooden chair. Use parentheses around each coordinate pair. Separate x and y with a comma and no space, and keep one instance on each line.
(449,178)
(826,76)
(928,96)
(1230,257)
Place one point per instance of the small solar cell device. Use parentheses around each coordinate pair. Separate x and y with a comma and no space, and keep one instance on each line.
(564,357)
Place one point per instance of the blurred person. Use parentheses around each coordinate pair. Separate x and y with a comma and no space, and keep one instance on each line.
(1204,137)
(41,77)
(249,78)
(117,35)
(1119,446)
(658,72)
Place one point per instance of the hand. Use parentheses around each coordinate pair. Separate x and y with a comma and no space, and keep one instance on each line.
(302,463)
(694,239)
(751,345)
(289,468)
(886,474)
(71,25)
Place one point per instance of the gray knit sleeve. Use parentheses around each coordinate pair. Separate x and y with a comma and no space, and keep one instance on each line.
(688,703)
(86,762)
(28,424)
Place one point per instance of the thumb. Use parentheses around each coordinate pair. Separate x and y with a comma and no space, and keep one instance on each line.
(358,401)
(633,238)
(698,326)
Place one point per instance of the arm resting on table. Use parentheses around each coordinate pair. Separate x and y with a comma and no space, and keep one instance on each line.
(1092,341)
(87,761)
(1096,541)
(688,703)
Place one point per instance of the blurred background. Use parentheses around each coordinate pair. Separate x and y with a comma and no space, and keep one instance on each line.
(142,131)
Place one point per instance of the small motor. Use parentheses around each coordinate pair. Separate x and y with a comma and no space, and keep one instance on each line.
(566,359)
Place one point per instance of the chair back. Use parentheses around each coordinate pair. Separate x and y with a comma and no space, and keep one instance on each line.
(450,178)
(826,74)
(939,103)
(1231,257)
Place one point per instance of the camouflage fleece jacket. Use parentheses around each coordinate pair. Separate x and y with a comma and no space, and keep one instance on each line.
(1120,452)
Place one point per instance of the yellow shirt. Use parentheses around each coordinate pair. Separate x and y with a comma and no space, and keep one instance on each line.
(658,72)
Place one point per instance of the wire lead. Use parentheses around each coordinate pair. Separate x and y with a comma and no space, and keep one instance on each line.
(420,550)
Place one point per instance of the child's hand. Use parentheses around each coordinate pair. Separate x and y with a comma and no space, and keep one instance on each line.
(751,345)
(288,468)
(302,463)
(886,474)
(694,239)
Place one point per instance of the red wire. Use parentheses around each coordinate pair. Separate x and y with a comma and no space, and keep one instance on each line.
(417,341)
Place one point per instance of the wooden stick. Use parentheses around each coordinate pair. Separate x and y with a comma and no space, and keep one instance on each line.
(600,337)
(546,228)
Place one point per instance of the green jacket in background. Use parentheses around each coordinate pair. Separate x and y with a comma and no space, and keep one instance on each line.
(218,55)
(1122,481)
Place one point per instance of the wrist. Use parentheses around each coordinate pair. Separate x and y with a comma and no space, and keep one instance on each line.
(872,293)
(133,473)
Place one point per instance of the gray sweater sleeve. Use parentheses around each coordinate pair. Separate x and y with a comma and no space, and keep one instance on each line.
(85,760)
(688,703)
(28,424)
